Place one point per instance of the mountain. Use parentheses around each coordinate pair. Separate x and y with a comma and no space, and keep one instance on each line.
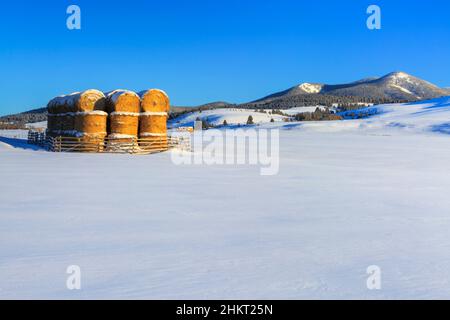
(393,86)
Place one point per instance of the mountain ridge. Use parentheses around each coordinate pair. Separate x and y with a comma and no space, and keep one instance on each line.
(395,85)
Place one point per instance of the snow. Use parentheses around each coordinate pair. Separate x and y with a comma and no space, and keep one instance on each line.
(124,113)
(68,99)
(142,93)
(310,88)
(401,75)
(120,136)
(72,98)
(95,112)
(151,134)
(231,115)
(153,113)
(297,110)
(37,125)
(419,117)
(349,194)
(15,134)
(402,89)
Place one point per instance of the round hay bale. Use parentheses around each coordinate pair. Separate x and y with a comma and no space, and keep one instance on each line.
(68,124)
(123,124)
(123,101)
(154,100)
(91,123)
(90,100)
(153,131)
(63,104)
(56,124)
(51,106)
(153,124)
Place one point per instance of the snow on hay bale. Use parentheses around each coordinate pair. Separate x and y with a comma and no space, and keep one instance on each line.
(62,104)
(124,107)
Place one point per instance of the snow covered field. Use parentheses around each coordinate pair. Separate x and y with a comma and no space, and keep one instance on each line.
(237,116)
(37,125)
(349,194)
(217,116)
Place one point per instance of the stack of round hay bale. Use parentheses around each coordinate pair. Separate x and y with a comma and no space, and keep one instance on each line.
(155,106)
(61,116)
(81,115)
(123,107)
(91,117)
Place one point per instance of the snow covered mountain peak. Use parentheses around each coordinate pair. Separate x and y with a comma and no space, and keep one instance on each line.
(399,75)
(310,87)
(410,85)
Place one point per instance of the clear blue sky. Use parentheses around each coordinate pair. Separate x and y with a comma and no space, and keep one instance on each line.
(201,51)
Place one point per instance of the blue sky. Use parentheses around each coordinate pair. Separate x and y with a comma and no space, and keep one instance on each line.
(203,51)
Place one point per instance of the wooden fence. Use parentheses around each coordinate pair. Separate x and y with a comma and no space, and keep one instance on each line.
(36,137)
(107,145)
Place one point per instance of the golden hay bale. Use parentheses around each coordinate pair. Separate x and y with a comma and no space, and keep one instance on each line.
(154,100)
(63,104)
(91,123)
(153,131)
(123,124)
(89,100)
(153,124)
(123,101)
